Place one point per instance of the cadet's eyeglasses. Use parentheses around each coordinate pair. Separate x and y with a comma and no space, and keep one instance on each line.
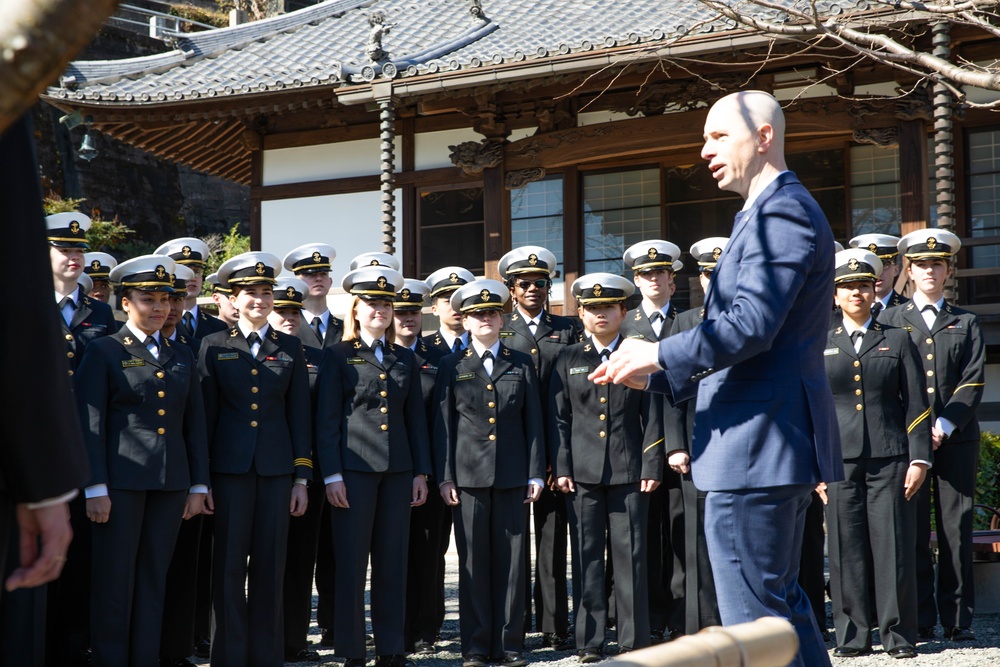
(541,283)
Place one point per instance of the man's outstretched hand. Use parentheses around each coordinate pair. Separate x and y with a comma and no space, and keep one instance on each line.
(631,364)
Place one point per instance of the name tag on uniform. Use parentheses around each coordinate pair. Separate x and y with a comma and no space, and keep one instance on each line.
(224,356)
(354,361)
(579,370)
(128,363)
(507,334)
(401,363)
(831,351)
(465,376)
(514,371)
(640,336)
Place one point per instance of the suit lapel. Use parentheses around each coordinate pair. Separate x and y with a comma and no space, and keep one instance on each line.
(237,342)
(641,324)
(944,319)
(81,312)
(268,346)
(871,339)
(913,316)
(502,363)
(388,355)
(544,325)
(137,348)
(472,363)
(843,340)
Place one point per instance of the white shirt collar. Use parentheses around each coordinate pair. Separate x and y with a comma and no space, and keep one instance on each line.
(193,310)
(262,332)
(495,348)
(600,348)
(449,338)
(919,300)
(369,341)
(528,319)
(761,184)
(141,337)
(307,316)
(885,300)
(648,308)
(76,295)
(850,327)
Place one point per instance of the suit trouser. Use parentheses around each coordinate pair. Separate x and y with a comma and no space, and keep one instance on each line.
(183,579)
(490,531)
(326,575)
(701,607)
(755,542)
(377,524)
(251,521)
(872,534)
(132,553)
(300,561)
(425,575)
(954,481)
(67,631)
(599,515)
(811,565)
(551,595)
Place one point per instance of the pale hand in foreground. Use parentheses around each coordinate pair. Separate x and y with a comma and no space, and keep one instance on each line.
(630,364)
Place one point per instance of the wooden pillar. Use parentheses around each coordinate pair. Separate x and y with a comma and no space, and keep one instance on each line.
(496,218)
(913,175)
(256,180)
(406,196)
(573,260)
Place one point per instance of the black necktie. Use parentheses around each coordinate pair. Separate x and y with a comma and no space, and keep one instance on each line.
(67,301)
(188,320)
(487,355)
(252,338)
(316,324)
(876,309)
(457,345)
(605,354)
(152,345)
(855,335)
(931,308)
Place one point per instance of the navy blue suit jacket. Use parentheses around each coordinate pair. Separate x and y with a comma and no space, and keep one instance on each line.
(765,415)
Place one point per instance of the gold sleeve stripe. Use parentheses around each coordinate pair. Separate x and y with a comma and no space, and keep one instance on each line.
(303,462)
(925,415)
(652,445)
(970,384)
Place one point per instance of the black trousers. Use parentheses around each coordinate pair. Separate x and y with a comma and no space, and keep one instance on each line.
(811,566)
(300,562)
(183,578)
(600,515)
(551,540)
(132,553)
(666,555)
(67,632)
(491,526)
(872,537)
(953,479)
(251,523)
(376,525)
(700,605)
(425,570)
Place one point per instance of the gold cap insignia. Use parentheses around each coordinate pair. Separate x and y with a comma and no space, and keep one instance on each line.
(259,268)
(853,264)
(160,271)
(651,253)
(96,264)
(74,227)
(715,253)
(532,259)
(453,277)
(316,256)
(485,295)
(872,247)
(290,292)
(173,278)
(597,289)
(186,251)
(405,294)
(931,243)
(381,282)
(374,262)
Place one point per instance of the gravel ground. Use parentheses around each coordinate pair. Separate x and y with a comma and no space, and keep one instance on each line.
(984,652)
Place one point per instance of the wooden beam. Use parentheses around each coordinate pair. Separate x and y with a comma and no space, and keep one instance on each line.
(913,175)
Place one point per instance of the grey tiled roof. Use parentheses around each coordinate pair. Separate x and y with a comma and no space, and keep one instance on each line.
(325,45)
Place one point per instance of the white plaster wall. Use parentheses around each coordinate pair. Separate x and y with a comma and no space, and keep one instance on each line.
(317,163)
(805,92)
(351,223)
(595,117)
(431,148)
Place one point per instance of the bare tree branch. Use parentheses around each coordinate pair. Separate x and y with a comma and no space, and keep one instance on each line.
(37,39)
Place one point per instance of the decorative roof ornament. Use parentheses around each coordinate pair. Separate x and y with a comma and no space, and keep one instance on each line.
(473,157)
(476,11)
(379,28)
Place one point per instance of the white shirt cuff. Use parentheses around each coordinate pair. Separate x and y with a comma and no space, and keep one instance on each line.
(199,488)
(926,463)
(96,491)
(944,425)
(302,481)
(49,502)
(537,481)
(336,477)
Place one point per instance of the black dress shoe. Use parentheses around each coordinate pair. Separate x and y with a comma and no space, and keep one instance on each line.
(355,662)
(302,655)
(959,634)
(901,652)
(424,648)
(474,660)
(176,662)
(926,632)
(202,647)
(512,659)
(589,655)
(557,641)
(656,637)
(849,652)
(394,661)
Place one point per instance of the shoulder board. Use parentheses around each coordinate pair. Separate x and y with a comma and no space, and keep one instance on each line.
(128,363)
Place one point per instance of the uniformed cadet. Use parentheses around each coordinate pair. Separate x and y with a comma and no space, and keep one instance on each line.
(606,445)
(86,284)
(177,638)
(220,295)
(531,329)
(374,451)
(311,264)
(886,247)
(144,427)
(451,336)
(192,253)
(880,396)
(489,438)
(375,259)
(701,608)
(952,350)
(83,320)
(430,523)
(256,389)
(98,265)
(654,264)
(303,531)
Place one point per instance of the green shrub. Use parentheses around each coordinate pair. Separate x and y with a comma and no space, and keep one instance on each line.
(988,478)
